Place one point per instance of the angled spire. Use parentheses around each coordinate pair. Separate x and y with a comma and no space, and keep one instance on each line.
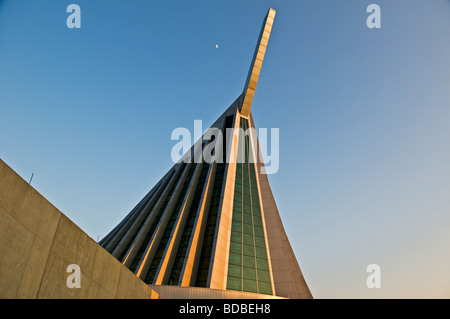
(258,58)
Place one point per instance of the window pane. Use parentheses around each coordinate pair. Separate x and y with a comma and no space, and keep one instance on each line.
(263,275)
(234,271)
(236,226)
(235,259)
(249,273)
(264,288)
(248,219)
(259,231)
(236,237)
(248,240)
(259,242)
(248,229)
(237,216)
(261,264)
(249,285)
(235,248)
(249,262)
(261,253)
(234,283)
(249,250)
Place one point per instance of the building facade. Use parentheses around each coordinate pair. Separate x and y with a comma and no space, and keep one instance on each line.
(211,223)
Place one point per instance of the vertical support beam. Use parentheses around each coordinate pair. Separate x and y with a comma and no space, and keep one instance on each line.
(126,236)
(152,246)
(149,221)
(255,67)
(195,246)
(169,255)
(117,233)
(221,249)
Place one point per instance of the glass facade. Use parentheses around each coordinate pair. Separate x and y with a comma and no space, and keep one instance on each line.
(248,267)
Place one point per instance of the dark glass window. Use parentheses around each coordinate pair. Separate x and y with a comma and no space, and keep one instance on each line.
(184,241)
(144,244)
(168,231)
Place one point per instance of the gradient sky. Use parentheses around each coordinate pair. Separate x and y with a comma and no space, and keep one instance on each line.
(364,118)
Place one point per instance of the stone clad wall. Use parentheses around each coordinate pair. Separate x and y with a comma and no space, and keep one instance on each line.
(38,242)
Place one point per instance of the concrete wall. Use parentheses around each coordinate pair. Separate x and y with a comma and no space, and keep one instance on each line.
(38,242)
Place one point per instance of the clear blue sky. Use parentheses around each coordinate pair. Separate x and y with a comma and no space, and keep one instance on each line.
(364,118)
